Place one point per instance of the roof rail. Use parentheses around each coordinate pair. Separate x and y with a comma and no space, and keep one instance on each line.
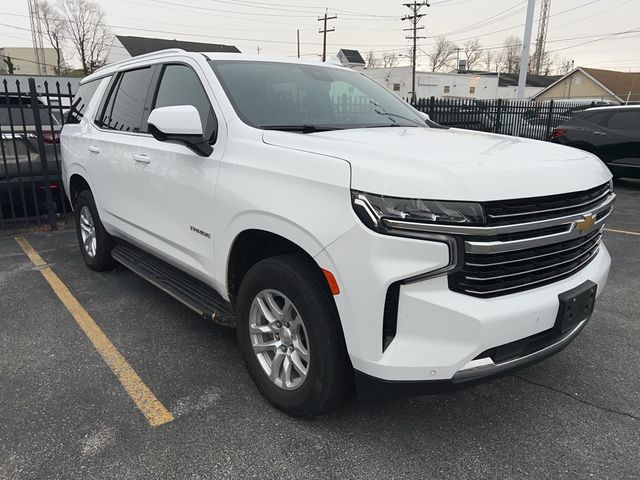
(141,57)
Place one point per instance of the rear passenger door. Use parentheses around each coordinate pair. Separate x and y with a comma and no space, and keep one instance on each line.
(176,187)
(110,149)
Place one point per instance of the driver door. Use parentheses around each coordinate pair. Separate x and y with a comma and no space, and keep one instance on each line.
(175,199)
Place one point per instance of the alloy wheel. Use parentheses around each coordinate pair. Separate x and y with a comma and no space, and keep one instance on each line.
(87,231)
(279,339)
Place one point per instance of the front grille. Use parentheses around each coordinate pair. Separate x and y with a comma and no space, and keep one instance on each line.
(544,247)
(540,208)
(510,272)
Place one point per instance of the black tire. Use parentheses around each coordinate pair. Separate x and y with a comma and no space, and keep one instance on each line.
(102,259)
(329,380)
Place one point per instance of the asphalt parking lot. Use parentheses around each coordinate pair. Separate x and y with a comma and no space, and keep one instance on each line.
(66,415)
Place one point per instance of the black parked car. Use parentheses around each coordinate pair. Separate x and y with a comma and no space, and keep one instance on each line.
(21,169)
(612,133)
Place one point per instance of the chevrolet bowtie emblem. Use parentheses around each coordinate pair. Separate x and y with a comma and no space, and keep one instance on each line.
(586,224)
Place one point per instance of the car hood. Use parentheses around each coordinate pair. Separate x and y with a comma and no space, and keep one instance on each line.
(450,163)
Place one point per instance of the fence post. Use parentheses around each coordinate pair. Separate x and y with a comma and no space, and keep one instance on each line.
(498,124)
(35,106)
(549,120)
(432,108)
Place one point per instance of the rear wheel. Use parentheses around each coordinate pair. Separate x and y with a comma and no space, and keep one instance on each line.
(290,336)
(95,243)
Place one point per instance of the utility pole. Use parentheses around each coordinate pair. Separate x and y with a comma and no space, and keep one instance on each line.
(458,59)
(258,49)
(298,35)
(414,18)
(324,32)
(524,60)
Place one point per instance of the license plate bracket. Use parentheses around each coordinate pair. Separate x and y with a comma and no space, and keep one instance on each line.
(576,305)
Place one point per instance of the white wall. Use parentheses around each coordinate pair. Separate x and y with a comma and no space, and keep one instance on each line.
(23,59)
(432,84)
(511,92)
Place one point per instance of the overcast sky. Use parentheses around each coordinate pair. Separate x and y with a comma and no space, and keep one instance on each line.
(367,25)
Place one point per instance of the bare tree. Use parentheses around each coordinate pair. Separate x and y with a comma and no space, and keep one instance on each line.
(389,60)
(473,52)
(548,64)
(498,60)
(512,51)
(487,60)
(372,60)
(87,31)
(564,66)
(441,54)
(54,28)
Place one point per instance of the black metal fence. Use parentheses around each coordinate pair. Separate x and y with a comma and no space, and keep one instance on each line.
(509,117)
(30,174)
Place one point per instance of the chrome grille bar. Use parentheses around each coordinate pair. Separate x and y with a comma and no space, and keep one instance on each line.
(539,269)
(537,282)
(534,257)
(511,245)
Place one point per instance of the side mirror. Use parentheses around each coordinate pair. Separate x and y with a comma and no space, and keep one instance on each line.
(180,123)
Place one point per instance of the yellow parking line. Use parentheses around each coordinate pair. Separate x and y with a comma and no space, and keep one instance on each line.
(627,232)
(144,398)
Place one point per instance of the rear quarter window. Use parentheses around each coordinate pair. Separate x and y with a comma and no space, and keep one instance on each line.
(591,117)
(125,104)
(625,120)
(81,100)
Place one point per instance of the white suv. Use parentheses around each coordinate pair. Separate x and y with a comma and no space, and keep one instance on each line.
(350,240)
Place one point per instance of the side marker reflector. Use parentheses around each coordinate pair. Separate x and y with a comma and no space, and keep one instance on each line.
(331,280)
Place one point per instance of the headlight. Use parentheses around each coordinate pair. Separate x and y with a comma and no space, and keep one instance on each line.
(374,209)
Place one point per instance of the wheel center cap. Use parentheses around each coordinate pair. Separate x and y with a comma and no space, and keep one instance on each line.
(287,336)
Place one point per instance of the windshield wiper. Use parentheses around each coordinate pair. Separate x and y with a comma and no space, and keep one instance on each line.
(393,116)
(306,128)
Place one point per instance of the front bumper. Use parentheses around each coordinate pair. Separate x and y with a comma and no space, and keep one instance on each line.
(439,332)
(476,371)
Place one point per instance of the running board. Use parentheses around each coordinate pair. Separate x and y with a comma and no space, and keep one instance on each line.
(193,293)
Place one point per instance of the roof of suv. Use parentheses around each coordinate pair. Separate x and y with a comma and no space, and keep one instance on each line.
(160,54)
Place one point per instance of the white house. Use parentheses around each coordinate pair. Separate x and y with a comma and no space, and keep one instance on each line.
(436,84)
(475,85)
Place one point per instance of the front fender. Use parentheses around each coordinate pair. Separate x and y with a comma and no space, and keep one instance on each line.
(265,221)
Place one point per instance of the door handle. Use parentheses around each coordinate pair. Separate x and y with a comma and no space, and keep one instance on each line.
(94,149)
(600,133)
(141,158)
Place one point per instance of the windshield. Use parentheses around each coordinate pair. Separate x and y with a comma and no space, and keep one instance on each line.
(308,98)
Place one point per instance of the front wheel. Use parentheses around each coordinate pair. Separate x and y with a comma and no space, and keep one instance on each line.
(290,336)
(95,243)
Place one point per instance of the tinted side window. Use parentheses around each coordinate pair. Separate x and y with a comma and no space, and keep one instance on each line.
(629,120)
(599,118)
(81,100)
(123,111)
(179,85)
